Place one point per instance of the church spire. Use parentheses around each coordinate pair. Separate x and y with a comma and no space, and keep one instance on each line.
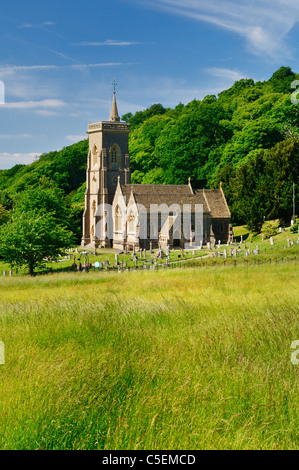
(114,117)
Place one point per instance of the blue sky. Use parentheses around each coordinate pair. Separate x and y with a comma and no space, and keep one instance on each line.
(59,58)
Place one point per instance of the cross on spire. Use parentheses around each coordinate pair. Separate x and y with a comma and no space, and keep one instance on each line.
(114,84)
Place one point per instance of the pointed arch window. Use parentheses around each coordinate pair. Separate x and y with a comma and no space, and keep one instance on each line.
(115,157)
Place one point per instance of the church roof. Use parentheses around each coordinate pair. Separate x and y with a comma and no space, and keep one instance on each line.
(216,202)
(213,201)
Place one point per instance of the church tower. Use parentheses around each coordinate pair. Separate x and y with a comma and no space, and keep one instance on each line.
(108,158)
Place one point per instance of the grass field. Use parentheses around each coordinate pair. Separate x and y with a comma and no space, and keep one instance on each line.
(177,359)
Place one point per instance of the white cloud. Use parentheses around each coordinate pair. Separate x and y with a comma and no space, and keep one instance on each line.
(108,42)
(225,74)
(40,25)
(15,136)
(10,69)
(75,138)
(7,160)
(50,103)
(264,24)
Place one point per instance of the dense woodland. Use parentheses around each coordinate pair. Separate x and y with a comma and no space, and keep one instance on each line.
(246,137)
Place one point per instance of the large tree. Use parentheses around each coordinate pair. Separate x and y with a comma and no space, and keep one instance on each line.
(28,238)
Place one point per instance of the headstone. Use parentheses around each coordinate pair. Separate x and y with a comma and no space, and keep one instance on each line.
(193,252)
(76,251)
(208,245)
(241,238)
(292,242)
(235,252)
(271,241)
(246,253)
(289,243)
(151,247)
(224,252)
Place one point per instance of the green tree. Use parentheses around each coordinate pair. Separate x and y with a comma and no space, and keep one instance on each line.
(27,239)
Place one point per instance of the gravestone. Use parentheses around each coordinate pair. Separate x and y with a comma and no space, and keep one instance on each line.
(235,252)
(271,241)
(289,243)
(208,246)
(224,252)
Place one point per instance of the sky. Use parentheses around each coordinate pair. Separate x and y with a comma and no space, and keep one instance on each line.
(59,59)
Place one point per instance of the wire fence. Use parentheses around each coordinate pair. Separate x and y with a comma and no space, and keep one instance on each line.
(153,265)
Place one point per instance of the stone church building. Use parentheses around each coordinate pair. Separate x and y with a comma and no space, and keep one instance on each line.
(131,216)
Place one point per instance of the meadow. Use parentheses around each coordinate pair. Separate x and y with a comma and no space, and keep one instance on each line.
(173,359)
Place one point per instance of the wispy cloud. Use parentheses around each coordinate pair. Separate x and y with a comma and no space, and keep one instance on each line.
(9,69)
(15,136)
(39,25)
(75,138)
(264,24)
(224,73)
(108,42)
(51,103)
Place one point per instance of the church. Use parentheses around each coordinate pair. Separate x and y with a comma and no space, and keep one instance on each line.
(129,216)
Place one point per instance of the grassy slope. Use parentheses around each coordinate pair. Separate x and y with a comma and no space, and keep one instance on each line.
(181,359)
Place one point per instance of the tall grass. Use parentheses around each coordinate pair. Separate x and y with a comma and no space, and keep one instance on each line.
(178,359)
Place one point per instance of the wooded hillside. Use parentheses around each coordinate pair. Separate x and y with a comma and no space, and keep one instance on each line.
(247,137)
